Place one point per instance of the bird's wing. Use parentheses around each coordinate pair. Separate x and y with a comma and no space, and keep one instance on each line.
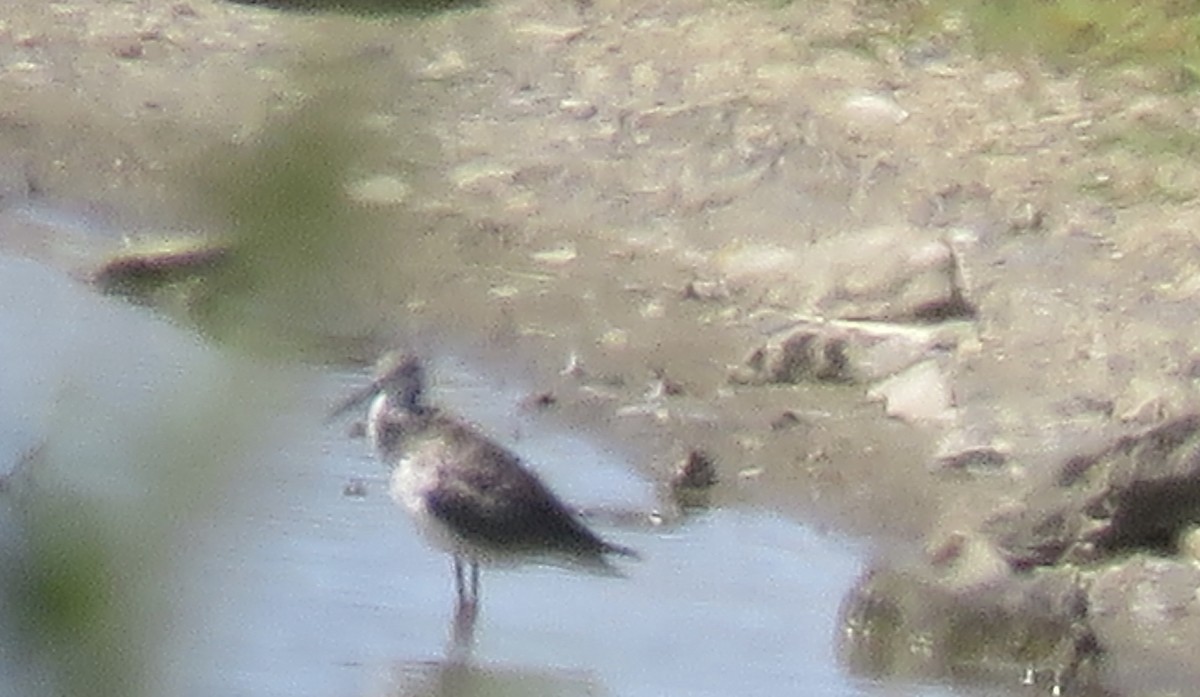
(502,503)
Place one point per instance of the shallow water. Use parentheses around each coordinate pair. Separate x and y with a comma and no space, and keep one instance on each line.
(727,602)
(280,583)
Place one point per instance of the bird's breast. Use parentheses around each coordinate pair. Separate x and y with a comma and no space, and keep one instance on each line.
(417,474)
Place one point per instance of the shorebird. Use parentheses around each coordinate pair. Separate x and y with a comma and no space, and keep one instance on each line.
(468,495)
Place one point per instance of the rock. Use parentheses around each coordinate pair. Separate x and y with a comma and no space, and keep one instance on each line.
(1003,81)
(697,470)
(967,562)
(144,272)
(890,273)
(808,354)
(1148,401)
(1033,534)
(1189,544)
(549,34)
(483,178)
(1026,216)
(1145,612)
(788,420)
(1139,493)
(713,291)
(665,386)
(964,244)
(872,114)
(557,256)
(379,190)
(757,264)
(901,623)
(355,488)
(962,450)
(450,63)
(975,458)
(539,401)
(841,351)
(578,108)
(1081,405)
(1148,411)
(921,394)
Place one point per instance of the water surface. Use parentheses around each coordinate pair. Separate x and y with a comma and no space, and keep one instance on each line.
(722,602)
(275,581)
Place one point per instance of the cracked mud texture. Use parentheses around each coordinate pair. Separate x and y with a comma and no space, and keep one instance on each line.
(925,296)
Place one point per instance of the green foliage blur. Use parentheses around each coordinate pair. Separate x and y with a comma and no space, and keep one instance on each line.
(1161,34)
(368,7)
(157,426)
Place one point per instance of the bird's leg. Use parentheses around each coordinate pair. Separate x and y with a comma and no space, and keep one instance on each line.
(468,598)
(459,584)
(463,632)
(467,608)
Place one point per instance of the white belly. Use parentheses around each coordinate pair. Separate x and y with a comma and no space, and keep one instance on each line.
(412,479)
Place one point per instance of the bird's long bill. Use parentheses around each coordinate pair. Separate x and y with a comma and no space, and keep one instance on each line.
(355,400)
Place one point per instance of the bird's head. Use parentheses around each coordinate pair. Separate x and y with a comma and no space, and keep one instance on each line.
(396,396)
(401,378)
(399,381)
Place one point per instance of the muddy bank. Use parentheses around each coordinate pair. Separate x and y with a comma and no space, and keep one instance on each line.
(907,292)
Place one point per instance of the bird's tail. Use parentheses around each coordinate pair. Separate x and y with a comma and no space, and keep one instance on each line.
(621,550)
(596,559)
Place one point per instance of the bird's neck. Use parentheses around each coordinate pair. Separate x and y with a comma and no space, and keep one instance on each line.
(412,399)
(392,422)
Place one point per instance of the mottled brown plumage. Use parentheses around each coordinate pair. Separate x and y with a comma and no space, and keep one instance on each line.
(468,494)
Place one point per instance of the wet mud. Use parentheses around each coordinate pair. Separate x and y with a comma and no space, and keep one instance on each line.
(904,293)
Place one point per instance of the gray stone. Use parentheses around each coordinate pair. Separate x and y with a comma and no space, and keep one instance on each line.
(887,273)
(1138,493)
(1146,614)
(920,394)
(890,273)
(840,351)
(1029,629)
(974,458)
